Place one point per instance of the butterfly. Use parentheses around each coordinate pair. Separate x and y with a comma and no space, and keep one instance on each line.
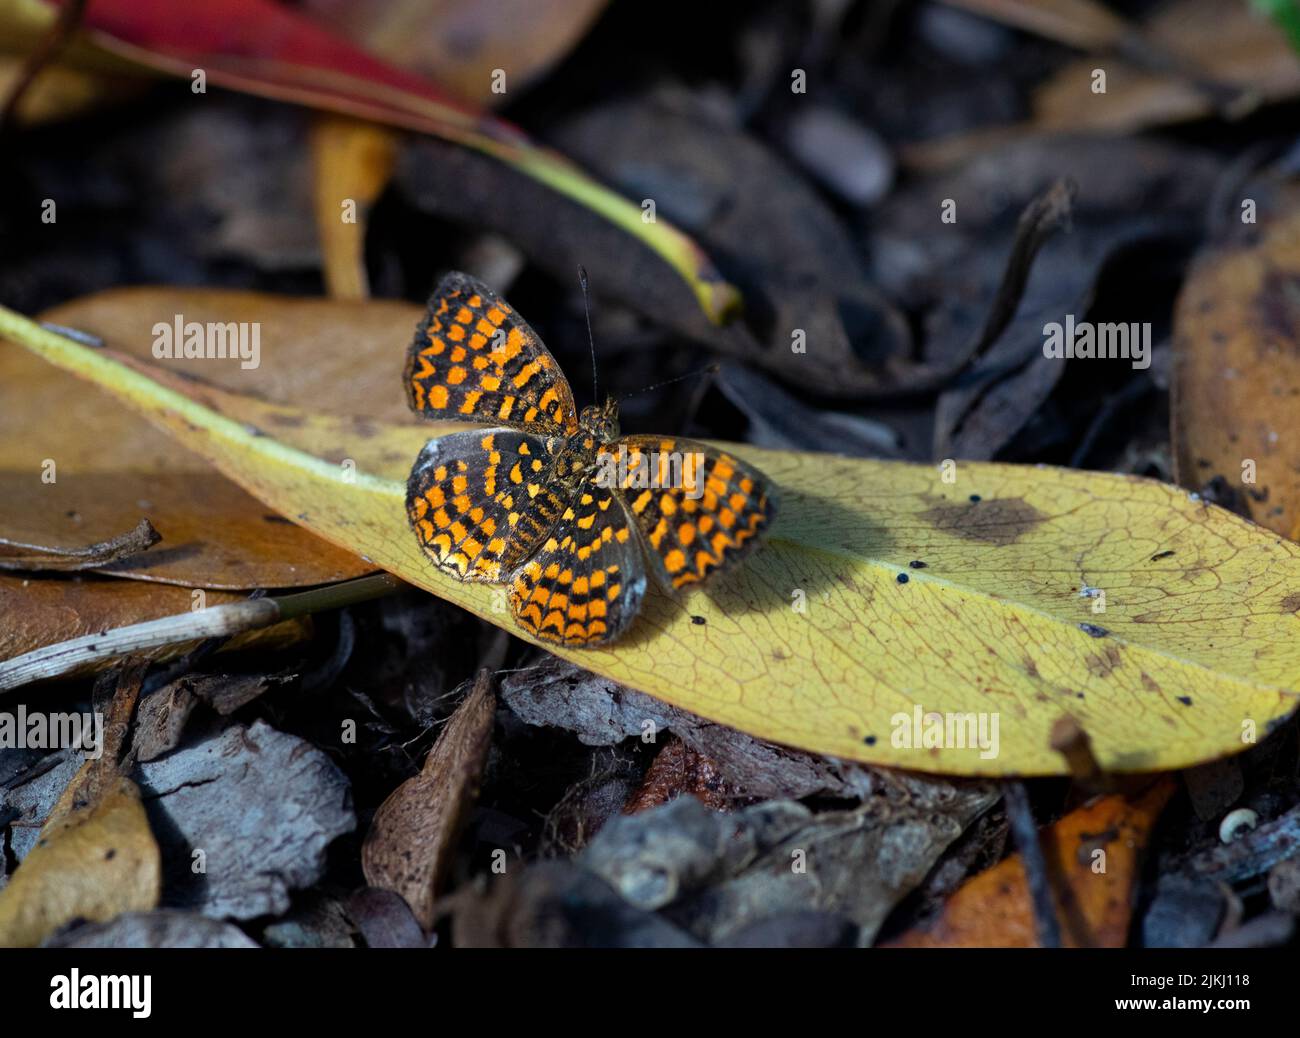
(553,503)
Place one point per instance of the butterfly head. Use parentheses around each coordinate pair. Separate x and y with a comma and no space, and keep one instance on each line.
(600,420)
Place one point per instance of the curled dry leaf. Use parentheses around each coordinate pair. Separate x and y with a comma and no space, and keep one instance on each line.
(1092,856)
(883,596)
(556,904)
(1236,376)
(384,919)
(414,832)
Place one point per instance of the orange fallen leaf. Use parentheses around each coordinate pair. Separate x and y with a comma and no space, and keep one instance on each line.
(1092,857)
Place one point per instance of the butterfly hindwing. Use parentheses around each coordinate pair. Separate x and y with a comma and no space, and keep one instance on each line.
(585,584)
(480,501)
(705,512)
(474,359)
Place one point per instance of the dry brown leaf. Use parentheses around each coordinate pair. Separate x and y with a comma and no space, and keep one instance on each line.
(678,770)
(1093,890)
(1202,57)
(113,468)
(414,832)
(1078,23)
(1236,380)
(1224,45)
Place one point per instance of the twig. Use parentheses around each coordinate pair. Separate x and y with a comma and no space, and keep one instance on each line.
(1025,832)
(214,622)
(69,560)
(1046,214)
(1132,391)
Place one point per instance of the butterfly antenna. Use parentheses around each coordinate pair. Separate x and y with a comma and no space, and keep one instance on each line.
(708,369)
(586,306)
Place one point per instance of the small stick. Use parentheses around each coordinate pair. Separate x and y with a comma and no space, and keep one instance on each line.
(69,560)
(1025,832)
(214,622)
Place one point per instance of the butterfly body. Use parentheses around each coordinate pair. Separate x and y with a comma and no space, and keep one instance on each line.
(556,504)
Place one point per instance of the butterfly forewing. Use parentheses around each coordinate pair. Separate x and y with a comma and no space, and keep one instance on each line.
(480,501)
(703,509)
(474,359)
(585,585)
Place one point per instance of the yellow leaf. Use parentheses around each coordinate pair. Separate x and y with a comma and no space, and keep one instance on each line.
(1194,656)
(91,863)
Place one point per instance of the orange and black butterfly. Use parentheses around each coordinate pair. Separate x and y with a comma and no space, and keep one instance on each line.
(557,504)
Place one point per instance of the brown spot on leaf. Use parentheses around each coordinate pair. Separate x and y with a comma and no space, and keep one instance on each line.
(999,521)
(1278,306)
(1102,664)
(1291,604)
